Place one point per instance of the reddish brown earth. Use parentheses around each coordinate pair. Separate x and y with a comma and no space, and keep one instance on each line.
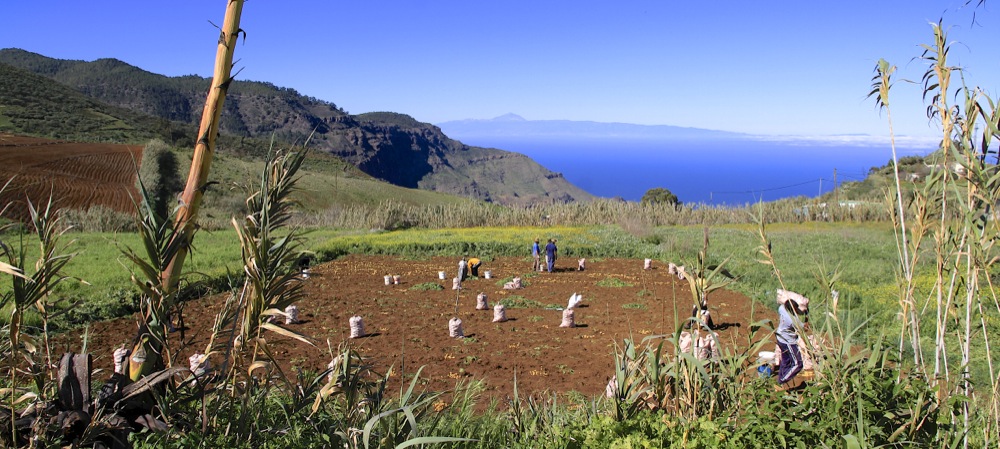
(82,174)
(409,327)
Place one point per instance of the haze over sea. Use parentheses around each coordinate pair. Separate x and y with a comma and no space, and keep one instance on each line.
(710,171)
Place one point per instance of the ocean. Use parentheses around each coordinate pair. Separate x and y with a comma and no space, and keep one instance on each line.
(730,172)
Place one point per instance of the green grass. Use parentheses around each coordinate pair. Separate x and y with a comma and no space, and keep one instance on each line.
(612,282)
(520,302)
(108,292)
(427,286)
(863,252)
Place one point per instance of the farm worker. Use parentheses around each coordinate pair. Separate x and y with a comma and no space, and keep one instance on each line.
(474,264)
(550,254)
(792,308)
(462,264)
(536,253)
(303,266)
(701,312)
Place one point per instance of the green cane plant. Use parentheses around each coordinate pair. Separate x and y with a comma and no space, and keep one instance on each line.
(31,288)
(362,415)
(962,194)
(270,284)
(160,244)
(704,278)
(629,391)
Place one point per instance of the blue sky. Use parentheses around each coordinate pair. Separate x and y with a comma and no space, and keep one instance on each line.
(761,67)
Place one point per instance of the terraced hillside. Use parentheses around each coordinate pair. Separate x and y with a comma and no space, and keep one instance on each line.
(76,175)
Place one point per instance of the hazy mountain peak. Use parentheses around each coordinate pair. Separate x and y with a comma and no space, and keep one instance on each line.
(509,117)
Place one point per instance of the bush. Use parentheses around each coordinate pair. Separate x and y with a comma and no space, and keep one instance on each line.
(98,219)
(158,172)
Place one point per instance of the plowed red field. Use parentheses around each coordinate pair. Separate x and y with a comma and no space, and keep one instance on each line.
(409,326)
(82,175)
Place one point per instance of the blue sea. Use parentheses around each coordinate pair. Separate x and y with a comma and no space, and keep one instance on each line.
(728,172)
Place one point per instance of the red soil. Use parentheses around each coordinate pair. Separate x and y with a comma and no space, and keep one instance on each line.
(82,174)
(409,328)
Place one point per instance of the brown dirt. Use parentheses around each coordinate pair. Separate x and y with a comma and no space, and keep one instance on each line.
(409,328)
(82,174)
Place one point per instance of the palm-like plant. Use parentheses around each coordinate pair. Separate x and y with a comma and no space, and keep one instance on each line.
(269,254)
(160,244)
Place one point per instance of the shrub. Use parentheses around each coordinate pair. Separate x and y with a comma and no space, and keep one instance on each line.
(98,219)
(427,286)
(612,282)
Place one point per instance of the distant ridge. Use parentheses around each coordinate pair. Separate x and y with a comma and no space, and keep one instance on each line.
(389,146)
(514,126)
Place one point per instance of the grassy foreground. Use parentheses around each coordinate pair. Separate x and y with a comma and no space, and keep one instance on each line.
(862,252)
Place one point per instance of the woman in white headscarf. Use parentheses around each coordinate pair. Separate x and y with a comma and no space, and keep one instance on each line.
(792,308)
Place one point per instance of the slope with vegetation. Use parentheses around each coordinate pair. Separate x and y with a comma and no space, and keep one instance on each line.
(388,146)
(32,104)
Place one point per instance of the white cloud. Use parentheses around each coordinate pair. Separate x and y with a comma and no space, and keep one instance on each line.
(860,140)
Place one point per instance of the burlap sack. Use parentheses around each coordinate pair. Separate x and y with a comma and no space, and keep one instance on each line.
(514,284)
(568,318)
(357,327)
(199,364)
(706,349)
(481,303)
(455,328)
(685,341)
(499,313)
(574,301)
(292,314)
(120,359)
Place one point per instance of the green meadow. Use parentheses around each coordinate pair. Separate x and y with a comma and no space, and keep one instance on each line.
(862,253)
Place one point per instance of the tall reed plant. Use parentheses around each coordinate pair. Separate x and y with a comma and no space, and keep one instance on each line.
(955,212)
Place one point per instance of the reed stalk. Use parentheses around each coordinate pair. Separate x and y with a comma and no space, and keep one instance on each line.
(147,352)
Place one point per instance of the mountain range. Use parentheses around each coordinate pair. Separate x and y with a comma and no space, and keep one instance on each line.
(513,126)
(112,101)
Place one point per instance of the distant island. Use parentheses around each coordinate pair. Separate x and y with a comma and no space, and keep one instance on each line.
(514,126)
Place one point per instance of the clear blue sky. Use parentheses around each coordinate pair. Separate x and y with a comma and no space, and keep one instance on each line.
(763,67)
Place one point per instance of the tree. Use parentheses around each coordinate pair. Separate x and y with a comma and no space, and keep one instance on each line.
(659,195)
(159,173)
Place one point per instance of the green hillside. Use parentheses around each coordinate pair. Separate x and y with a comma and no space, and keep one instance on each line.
(389,146)
(31,104)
